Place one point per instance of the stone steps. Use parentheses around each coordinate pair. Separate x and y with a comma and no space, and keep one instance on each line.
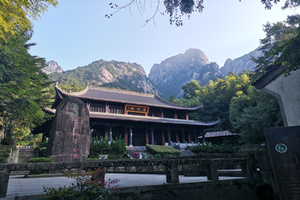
(25,154)
(131,150)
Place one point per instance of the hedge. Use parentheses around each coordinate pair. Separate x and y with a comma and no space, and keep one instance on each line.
(163,151)
(40,159)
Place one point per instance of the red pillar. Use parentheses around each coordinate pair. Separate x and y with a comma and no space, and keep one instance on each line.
(177,136)
(106,132)
(126,135)
(186,116)
(163,136)
(147,136)
(189,138)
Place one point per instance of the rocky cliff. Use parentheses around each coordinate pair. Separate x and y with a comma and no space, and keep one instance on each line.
(240,64)
(174,72)
(127,76)
(52,66)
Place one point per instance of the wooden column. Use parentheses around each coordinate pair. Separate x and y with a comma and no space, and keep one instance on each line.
(177,136)
(169,137)
(183,135)
(130,137)
(110,134)
(186,116)
(147,136)
(189,137)
(175,115)
(126,135)
(163,137)
(152,136)
(106,132)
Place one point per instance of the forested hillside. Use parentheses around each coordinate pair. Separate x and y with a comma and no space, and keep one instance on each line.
(236,103)
(126,76)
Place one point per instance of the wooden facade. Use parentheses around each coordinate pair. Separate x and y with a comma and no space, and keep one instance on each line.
(139,118)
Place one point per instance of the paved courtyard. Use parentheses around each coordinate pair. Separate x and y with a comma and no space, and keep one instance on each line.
(20,186)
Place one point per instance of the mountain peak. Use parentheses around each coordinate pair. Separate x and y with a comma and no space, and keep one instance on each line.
(52,66)
(174,72)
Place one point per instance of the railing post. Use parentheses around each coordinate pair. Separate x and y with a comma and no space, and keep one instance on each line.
(99,174)
(212,171)
(172,173)
(4,177)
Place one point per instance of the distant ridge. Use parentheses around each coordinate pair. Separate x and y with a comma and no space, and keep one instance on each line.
(240,64)
(167,78)
(113,74)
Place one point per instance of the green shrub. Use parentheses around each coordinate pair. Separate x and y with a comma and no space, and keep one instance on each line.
(163,151)
(101,146)
(24,143)
(92,159)
(39,159)
(117,147)
(42,149)
(88,186)
(212,148)
(3,160)
(119,156)
(10,141)
(98,146)
(39,172)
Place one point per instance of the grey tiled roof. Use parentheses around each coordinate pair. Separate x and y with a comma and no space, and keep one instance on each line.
(110,116)
(123,96)
(272,73)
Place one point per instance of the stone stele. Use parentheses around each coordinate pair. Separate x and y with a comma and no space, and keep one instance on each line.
(70,134)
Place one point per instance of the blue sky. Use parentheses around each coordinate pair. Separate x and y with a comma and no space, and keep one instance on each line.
(76,32)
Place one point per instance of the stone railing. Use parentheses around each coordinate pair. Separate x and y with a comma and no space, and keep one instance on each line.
(209,165)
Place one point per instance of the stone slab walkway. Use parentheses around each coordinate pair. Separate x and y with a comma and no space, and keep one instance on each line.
(19,186)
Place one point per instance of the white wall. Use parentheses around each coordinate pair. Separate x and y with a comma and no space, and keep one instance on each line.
(287,90)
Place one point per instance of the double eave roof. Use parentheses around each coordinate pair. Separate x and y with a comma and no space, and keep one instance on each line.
(122,117)
(120,96)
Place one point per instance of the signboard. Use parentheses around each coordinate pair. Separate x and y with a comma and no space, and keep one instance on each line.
(284,148)
(137,109)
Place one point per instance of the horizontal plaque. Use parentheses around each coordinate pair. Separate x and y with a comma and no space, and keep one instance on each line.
(137,109)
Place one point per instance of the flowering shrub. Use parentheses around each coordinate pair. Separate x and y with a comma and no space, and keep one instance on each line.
(88,186)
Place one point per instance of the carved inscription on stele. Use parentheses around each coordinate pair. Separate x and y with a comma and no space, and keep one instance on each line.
(69,139)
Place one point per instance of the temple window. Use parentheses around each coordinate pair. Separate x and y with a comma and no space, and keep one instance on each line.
(116,109)
(97,107)
(154,113)
(169,114)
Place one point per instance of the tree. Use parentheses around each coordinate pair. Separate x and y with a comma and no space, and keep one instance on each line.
(21,83)
(281,46)
(178,8)
(216,98)
(251,113)
(15,14)
(174,8)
